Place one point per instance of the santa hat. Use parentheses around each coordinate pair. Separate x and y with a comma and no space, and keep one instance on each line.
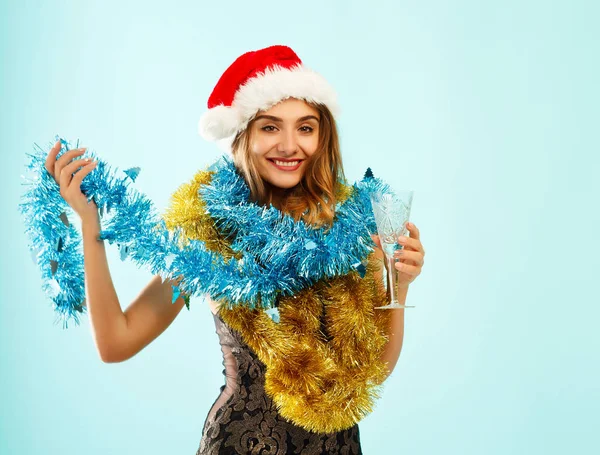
(257,80)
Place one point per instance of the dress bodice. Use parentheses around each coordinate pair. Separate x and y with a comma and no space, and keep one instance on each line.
(244,420)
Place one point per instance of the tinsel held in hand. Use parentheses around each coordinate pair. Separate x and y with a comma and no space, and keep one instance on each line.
(248,258)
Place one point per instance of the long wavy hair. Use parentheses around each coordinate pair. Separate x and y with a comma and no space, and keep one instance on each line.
(313,199)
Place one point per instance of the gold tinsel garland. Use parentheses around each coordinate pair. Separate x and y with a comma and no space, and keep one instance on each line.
(323,382)
(188,211)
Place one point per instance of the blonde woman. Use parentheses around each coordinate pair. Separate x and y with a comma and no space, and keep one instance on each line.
(298,385)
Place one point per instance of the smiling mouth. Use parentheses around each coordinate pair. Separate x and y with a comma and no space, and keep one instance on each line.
(283,165)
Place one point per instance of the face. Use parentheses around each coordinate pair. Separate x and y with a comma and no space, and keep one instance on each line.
(282,139)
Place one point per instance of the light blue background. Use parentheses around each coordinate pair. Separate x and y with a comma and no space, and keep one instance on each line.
(488,110)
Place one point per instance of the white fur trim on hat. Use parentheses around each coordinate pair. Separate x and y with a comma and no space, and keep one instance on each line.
(219,122)
(262,92)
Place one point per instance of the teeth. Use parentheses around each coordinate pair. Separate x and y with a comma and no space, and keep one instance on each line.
(286,163)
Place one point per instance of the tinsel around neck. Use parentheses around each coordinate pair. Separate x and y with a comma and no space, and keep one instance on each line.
(270,255)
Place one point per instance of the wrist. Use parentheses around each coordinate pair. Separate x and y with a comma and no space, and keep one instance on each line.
(402,291)
(90,224)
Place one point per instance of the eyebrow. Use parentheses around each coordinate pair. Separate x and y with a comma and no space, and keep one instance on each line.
(277,119)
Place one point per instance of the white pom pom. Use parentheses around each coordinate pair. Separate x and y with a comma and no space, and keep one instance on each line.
(219,122)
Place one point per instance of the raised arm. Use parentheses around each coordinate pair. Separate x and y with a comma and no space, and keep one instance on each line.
(120,335)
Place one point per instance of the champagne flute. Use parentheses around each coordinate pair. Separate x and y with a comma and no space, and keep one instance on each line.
(392,212)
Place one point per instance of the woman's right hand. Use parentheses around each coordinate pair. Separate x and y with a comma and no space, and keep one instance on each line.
(62,171)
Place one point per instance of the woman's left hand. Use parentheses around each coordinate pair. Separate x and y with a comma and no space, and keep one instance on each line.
(411,256)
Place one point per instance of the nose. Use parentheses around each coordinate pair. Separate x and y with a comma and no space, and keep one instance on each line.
(288,143)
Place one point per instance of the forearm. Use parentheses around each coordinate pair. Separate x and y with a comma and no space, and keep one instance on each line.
(104,310)
(392,349)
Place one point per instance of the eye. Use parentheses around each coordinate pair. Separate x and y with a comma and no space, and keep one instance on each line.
(306,129)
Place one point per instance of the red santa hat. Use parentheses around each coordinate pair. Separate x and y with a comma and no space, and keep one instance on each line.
(257,80)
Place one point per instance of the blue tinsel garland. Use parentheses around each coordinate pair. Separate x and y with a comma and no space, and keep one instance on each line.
(280,255)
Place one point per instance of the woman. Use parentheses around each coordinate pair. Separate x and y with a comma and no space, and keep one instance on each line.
(276,118)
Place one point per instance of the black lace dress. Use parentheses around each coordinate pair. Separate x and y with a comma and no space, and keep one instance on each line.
(243,419)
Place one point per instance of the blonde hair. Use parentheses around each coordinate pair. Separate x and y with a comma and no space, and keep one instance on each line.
(316,194)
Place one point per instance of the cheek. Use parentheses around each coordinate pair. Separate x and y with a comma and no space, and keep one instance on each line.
(261,145)
(310,145)
(258,149)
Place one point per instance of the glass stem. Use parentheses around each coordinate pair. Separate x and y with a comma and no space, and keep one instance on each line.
(392,276)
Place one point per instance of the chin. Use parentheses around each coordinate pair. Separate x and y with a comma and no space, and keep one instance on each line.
(285,182)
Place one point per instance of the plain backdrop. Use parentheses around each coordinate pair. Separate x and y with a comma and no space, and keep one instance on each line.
(487,110)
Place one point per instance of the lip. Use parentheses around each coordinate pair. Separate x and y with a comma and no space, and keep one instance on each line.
(286,168)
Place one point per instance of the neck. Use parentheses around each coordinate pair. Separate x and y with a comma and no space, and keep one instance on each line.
(277,195)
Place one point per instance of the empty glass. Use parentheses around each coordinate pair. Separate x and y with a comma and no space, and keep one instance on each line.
(392,212)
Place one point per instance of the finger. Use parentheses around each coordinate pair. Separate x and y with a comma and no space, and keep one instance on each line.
(66,173)
(414,232)
(413,242)
(72,167)
(408,243)
(69,155)
(414,257)
(411,270)
(51,158)
(80,175)
(64,160)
